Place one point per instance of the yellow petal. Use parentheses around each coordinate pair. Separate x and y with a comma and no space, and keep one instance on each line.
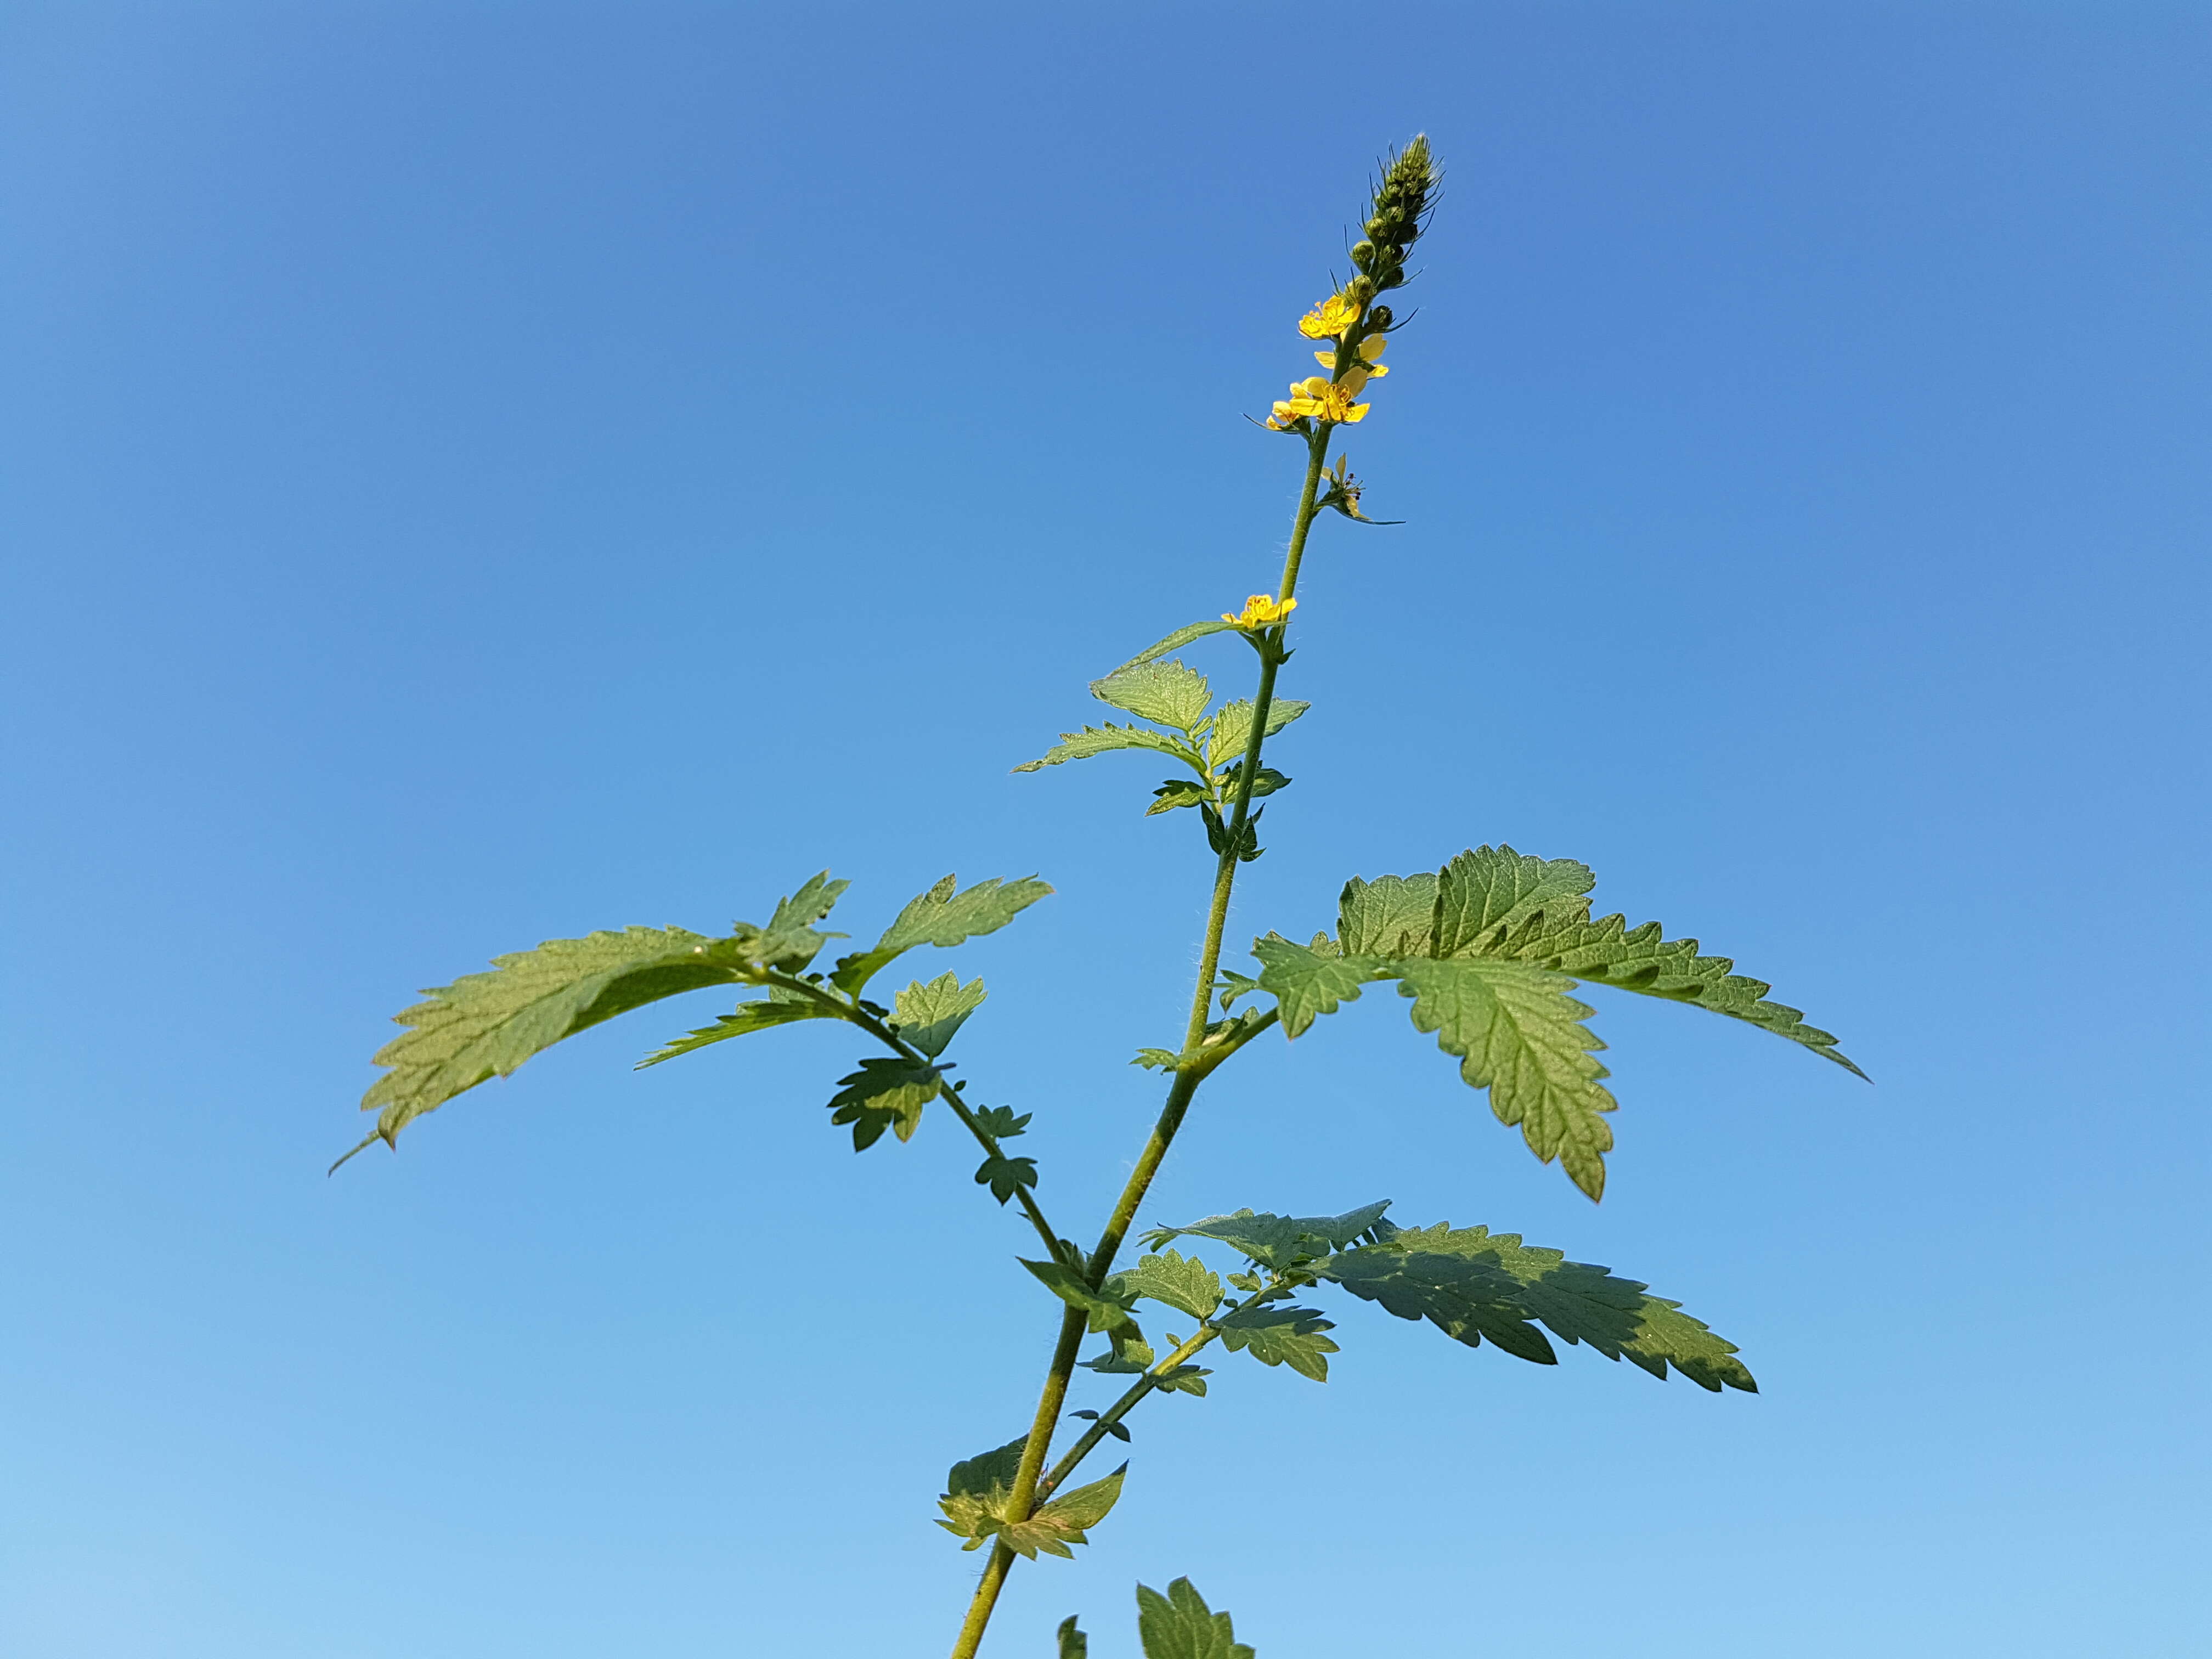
(1371,346)
(1357,412)
(1326,359)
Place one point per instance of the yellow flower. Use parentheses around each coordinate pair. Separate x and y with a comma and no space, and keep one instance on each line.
(1329,400)
(1281,416)
(1330,317)
(1262,610)
(1369,350)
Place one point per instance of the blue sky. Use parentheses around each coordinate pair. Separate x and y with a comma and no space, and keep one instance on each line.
(478,475)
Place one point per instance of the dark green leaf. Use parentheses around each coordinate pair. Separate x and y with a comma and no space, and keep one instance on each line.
(1180,1626)
(1488,892)
(1074,1644)
(1307,984)
(1164,693)
(942,916)
(1276,1241)
(485,1025)
(782,1008)
(927,1014)
(999,1120)
(885,1094)
(977,1491)
(1184,1379)
(789,942)
(1521,1036)
(1277,1335)
(1389,916)
(1473,1284)
(1181,1282)
(1105,1310)
(1235,986)
(1267,783)
(1006,1176)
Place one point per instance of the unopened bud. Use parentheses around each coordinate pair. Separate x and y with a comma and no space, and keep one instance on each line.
(1379,319)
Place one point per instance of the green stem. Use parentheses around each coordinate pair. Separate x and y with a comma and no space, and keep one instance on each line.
(1023,1500)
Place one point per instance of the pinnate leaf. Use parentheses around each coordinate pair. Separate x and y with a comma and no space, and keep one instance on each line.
(1181,1282)
(1474,1284)
(1180,1626)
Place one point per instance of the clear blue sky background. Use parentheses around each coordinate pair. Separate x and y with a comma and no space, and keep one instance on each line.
(473,476)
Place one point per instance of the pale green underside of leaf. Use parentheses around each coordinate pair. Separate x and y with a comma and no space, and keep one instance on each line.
(883,1094)
(944,917)
(1307,983)
(1230,732)
(1105,739)
(1181,1282)
(1175,641)
(781,1007)
(1165,693)
(1276,1241)
(1521,1036)
(485,1025)
(927,1014)
(1180,1626)
(1389,916)
(1277,1335)
(976,1501)
(1476,1286)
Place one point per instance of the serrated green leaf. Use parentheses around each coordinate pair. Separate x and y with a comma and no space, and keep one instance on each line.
(927,1014)
(1104,1310)
(1182,1282)
(1129,1355)
(1066,1520)
(1474,1284)
(1307,984)
(1233,986)
(976,1489)
(789,941)
(1389,916)
(1267,781)
(782,1008)
(1180,1626)
(1522,1037)
(1177,792)
(885,1094)
(1277,1335)
(942,917)
(1276,1241)
(485,1025)
(1158,1059)
(1093,740)
(1184,1379)
(1175,641)
(1495,902)
(1230,733)
(1074,1644)
(1164,693)
(1006,1175)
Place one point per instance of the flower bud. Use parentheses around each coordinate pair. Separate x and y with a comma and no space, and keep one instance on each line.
(1379,319)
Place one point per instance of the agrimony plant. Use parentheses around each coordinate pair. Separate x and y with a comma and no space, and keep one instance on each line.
(1488,949)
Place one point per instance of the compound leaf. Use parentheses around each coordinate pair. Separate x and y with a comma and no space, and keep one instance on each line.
(1277,1335)
(1521,1036)
(1180,1626)
(942,916)
(1277,1241)
(485,1025)
(885,1094)
(1474,1284)
(927,1014)
(1165,693)
(1307,984)
(1182,1282)
(782,1008)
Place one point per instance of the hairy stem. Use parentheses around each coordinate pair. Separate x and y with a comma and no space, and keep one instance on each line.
(1024,1498)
